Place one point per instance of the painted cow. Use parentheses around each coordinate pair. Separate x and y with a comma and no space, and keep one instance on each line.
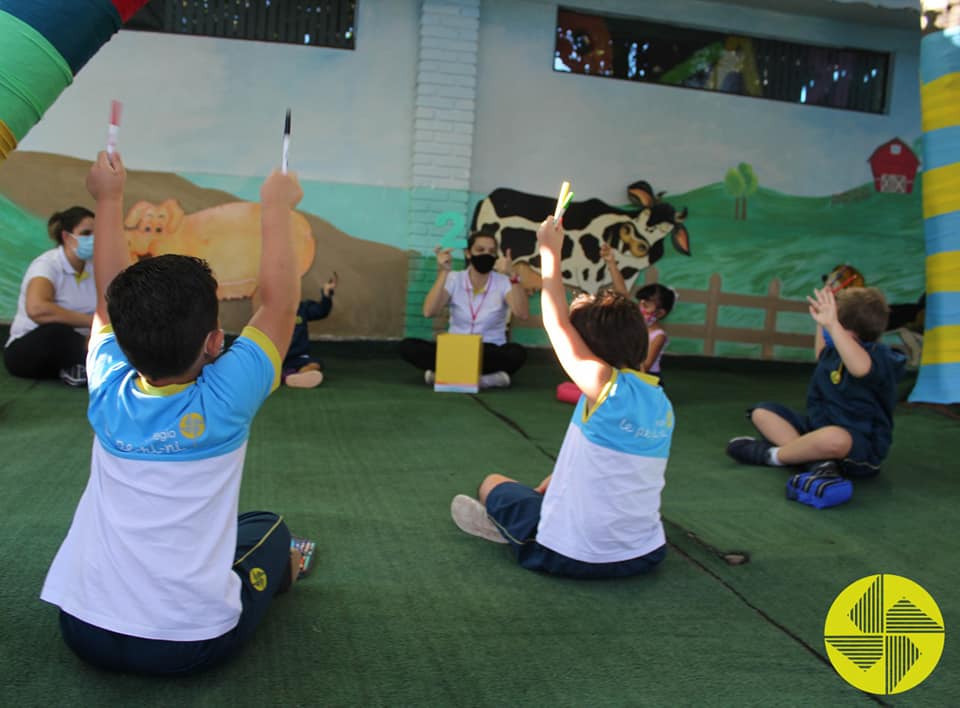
(636,236)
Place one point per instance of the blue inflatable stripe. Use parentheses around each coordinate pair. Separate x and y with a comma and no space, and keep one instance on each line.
(943,309)
(942,233)
(937,383)
(941,147)
(77,29)
(939,55)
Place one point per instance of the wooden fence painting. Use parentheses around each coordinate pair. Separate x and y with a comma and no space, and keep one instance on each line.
(710,332)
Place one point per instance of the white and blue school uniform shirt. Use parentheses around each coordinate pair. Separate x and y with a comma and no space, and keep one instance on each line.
(603,501)
(484,313)
(71,290)
(151,546)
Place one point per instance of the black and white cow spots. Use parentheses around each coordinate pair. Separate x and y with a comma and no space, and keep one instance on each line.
(512,217)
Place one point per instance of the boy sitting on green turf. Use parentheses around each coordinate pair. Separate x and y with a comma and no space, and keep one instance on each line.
(157,575)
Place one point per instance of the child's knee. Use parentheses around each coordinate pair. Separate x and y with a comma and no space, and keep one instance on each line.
(837,442)
(488,484)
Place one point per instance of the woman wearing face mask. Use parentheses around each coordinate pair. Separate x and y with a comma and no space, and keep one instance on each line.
(48,337)
(481,299)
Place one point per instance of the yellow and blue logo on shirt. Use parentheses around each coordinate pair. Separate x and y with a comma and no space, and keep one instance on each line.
(192,426)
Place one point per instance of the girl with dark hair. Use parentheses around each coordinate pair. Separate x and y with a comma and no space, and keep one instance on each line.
(48,336)
(655,302)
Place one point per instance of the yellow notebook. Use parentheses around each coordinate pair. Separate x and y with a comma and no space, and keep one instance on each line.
(459,363)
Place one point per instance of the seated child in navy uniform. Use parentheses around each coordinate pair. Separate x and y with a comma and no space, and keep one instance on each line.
(300,370)
(598,514)
(159,574)
(848,425)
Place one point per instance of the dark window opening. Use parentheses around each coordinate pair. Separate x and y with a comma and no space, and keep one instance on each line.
(670,55)
(316,24)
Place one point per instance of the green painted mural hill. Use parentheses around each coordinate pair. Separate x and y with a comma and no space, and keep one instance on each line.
(795,240)
(23,237)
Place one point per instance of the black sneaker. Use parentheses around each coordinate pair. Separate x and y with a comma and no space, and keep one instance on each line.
(827,468)
(749,451)
(76,375)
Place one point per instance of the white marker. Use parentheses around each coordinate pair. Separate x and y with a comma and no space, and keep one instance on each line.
(285,156)
(113,130)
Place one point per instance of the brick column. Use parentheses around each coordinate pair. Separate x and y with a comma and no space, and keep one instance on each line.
(443,140)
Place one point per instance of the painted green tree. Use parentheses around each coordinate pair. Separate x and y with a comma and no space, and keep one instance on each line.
(740,183)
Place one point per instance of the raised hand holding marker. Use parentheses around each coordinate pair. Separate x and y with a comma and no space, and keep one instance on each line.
(285,155)
(113,130)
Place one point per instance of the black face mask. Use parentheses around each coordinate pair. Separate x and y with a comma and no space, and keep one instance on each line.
(483,263)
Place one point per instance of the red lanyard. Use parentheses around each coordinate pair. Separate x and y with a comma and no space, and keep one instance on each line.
(469,287)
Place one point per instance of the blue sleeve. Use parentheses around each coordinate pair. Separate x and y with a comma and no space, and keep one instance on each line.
(105,362)
(244,375)
(314,310)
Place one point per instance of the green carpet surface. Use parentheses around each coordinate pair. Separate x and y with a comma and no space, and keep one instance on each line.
(404,609)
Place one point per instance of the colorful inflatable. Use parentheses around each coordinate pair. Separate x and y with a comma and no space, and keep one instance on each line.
(43,44)
(939,378)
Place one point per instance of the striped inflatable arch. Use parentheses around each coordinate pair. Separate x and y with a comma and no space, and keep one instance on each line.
(43,44)
(939,377)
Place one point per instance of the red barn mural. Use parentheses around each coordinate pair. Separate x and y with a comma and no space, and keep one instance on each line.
(894,167)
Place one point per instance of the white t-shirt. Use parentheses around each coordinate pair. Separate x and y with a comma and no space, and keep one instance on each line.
(71,290)
(483,313)
(151,547)
(603,501)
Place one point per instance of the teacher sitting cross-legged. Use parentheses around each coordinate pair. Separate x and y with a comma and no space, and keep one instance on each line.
(481,300)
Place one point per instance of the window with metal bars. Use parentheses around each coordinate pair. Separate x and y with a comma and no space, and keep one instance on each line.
(670,55)
(317,23)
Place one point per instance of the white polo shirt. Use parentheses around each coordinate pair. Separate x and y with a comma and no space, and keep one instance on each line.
(603,502)
(71,290)
(483,313)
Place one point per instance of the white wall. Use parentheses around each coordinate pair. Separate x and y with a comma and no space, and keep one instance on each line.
(196,104)
(536,127)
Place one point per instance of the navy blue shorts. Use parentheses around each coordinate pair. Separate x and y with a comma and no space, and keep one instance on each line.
(515,509)
(262,561)
(862,460)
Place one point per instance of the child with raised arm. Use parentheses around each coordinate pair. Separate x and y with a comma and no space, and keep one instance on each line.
(157,574)
(300,368)
(598,514)
(848,425)
(656,301)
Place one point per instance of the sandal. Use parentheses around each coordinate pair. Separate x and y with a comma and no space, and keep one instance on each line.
(307,549)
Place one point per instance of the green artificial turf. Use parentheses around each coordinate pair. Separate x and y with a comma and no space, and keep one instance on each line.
(404,609)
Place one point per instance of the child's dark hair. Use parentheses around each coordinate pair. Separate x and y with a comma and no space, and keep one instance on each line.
(162,310)
(471,239)
(613,327)
(66,220)
(664,297)
(863,311)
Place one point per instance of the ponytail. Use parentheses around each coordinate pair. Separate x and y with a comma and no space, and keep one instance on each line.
(66,220)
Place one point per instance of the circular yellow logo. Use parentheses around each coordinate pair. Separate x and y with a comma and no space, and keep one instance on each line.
(192,425)
(258,578)
(884,634)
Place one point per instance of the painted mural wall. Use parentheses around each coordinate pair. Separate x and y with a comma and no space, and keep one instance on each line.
(814,203)
(202,118)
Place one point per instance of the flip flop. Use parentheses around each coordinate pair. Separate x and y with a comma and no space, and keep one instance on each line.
(307,549)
